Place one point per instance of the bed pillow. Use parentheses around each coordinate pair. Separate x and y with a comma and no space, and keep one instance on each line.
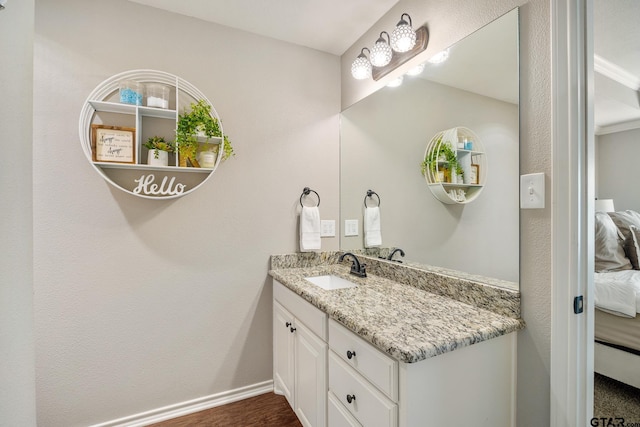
(635,240)
(624,220)
(609,254)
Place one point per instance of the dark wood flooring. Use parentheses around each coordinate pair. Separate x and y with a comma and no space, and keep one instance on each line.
(265,410)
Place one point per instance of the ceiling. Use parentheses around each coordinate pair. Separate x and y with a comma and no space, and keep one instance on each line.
(617,65)
(334,25)
(329,25)
(471,62)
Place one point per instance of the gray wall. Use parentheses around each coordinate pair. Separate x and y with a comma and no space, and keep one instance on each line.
(17,376)
(449,22)
(142,303)
(617,168)
(92,321)
(383,140)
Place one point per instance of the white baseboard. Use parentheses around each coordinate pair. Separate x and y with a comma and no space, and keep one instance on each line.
(190,406)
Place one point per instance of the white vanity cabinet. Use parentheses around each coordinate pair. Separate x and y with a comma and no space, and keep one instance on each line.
(333,377)
(300,355)
(473,385)
(362,378)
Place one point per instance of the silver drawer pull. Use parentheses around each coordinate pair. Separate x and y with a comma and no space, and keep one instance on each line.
(351,397)
(350,354)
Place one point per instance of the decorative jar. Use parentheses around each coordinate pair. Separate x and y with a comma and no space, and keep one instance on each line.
(157,95)
(131,92)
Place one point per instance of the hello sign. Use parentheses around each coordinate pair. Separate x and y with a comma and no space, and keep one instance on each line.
(168,186)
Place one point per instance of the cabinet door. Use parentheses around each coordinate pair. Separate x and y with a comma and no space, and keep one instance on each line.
(338,415)
(283,352)
(311,378)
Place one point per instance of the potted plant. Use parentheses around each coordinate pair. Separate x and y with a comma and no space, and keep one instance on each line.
(442,152)
(195,126)
(159,150)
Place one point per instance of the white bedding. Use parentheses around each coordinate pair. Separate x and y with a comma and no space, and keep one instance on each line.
(618,292)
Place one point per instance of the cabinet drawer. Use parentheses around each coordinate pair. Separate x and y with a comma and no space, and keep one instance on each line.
(312,317)
(338,414)
(375,366)
(368,405)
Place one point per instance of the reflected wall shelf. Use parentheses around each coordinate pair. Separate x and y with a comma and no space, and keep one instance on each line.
(138,178)
(442,150)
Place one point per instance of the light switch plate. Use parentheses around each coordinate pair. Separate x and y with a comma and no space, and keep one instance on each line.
(350,227)
(532,191)
(327,228)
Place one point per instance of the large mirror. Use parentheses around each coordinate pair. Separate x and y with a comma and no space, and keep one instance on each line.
(383,141)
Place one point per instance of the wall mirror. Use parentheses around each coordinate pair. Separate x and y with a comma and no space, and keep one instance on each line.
(383,141)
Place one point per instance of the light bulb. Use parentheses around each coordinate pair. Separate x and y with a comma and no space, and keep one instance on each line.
(381,52)
(361,67)
(418,69)
(440,57)
(395,82)
(403,38)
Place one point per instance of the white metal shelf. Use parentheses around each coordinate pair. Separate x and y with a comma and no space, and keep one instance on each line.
(184,94)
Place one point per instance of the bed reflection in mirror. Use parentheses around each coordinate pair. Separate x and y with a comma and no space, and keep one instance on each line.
(383,140)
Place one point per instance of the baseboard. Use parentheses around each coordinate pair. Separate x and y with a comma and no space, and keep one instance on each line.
(190,406)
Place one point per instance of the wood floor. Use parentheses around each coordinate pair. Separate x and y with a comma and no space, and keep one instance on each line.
(266,410)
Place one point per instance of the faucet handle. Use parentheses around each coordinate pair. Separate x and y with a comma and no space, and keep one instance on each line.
(360,272)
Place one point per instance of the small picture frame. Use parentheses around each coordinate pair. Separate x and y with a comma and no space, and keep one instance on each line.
(474,177)
(113,144)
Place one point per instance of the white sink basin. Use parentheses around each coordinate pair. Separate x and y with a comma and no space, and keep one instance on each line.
(331,282)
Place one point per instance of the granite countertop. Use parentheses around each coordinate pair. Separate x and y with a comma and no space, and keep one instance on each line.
(405,322)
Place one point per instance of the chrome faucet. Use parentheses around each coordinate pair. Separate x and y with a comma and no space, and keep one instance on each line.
(390,257)
(356,268)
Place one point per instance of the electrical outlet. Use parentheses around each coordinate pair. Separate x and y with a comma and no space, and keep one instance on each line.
(350,227)
(327,228)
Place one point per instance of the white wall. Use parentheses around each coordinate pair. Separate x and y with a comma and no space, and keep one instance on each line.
(17,376)
(617,168)
(383,140)
(142,303)
(449,22)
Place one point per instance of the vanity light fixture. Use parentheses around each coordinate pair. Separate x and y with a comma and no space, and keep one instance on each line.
(440,57)
(396,82)
(418,69)
(384,57)
(361,67)
(403,38)
(381,51)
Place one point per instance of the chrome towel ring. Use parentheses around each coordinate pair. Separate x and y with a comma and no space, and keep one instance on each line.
(305,192)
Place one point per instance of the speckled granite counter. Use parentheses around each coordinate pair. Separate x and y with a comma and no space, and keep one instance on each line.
(405,321)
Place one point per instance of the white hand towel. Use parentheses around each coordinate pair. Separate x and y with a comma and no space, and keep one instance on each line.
(309,229)
(372,234)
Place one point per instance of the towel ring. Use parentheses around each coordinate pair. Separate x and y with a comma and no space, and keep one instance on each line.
(306,192)
(370,193)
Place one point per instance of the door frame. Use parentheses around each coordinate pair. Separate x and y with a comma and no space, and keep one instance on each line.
(573,192)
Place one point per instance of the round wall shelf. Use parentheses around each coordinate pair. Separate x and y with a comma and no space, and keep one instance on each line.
(455,165)
(117,119)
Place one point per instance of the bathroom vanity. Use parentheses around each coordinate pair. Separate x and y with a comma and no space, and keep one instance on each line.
(404,347)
